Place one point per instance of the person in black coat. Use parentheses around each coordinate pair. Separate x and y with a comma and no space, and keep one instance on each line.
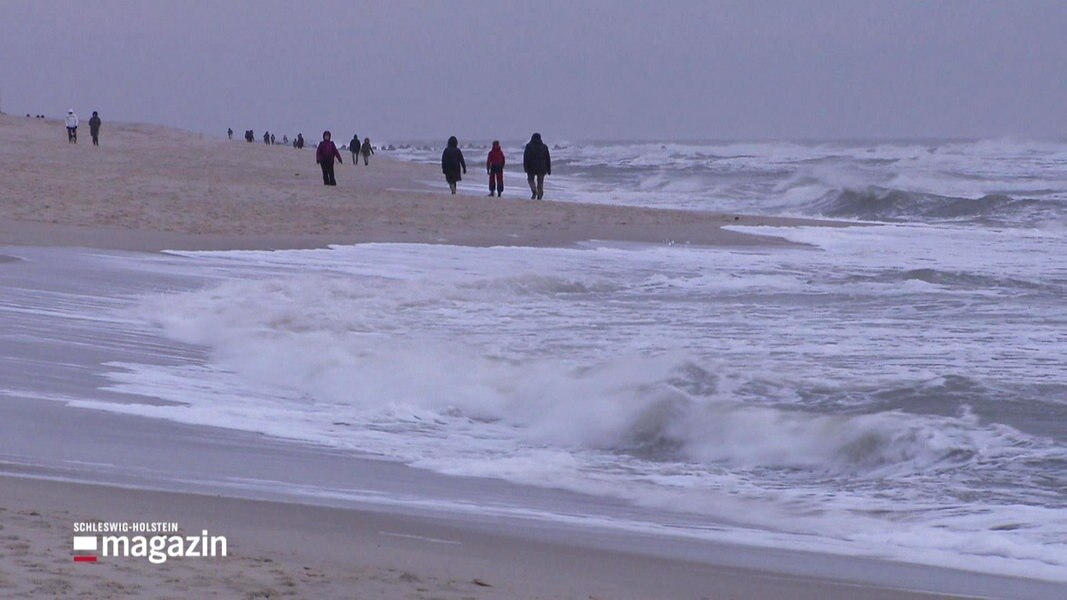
(537,163)
(94,128)
(452,162)
(353,149)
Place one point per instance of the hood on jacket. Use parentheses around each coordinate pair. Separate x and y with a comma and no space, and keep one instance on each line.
(325,135)
(453,142)
(536,138)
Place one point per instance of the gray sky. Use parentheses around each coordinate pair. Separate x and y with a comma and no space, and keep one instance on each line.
(573,69)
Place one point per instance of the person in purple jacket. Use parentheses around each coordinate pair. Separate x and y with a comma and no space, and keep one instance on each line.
(325,155)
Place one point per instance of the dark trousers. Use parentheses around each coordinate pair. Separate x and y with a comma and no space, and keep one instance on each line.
(96,137)
(537,184)
(327,172)
(72,135)
(496,179)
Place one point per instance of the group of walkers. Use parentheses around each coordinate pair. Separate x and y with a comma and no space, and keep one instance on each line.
(536,163)
(326,153)
(356,149)
(72,127)
(536,160)
(268,138)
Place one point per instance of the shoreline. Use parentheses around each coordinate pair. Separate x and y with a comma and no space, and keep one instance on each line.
(15,233)
(305,550)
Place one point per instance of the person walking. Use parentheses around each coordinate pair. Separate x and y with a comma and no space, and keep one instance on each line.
(536,163)
(494,166)
(72,127)
(325,155)
(94,128)
(366,150)
(452,162)
(354,148)
(229,132)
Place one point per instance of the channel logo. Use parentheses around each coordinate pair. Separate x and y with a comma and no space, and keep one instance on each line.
(156,542)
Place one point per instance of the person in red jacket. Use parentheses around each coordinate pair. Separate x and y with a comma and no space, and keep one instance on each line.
(494,166)
(325,155)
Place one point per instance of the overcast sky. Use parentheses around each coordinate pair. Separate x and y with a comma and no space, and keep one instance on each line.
(572,69)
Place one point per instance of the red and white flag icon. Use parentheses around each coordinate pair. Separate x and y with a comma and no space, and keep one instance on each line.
(85,543)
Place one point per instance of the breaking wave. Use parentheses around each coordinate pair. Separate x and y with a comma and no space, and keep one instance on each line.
(880,204)
(323,356)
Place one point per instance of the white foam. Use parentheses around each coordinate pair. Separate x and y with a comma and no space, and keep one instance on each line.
(672,378)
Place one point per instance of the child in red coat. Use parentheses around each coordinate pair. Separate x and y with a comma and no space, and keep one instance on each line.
(494,166)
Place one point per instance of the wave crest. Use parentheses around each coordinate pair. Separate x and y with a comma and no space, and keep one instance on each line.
(881,204)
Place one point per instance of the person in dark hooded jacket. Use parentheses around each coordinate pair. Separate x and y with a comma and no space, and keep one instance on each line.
(537,163)
(325,154)
(366,150)
(94,128)
(452,162)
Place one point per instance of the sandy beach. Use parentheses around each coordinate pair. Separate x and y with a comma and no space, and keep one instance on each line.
(163,188)
(150,188)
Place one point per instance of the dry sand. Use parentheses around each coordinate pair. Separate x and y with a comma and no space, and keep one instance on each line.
(170,189)
(148,188)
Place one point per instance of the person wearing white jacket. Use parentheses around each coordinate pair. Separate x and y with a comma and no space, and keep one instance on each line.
(72,127)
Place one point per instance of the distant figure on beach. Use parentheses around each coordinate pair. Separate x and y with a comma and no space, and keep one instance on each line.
(537,163)
(229,132)
(452,162)
(266,138)
(494,166)
(94,128)
(272,139)
(285,140)
(366,150)
(298,143)
(325,155)
(72,127)
(250,136)
(354,148)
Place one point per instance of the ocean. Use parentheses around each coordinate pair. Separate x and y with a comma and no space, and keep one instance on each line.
(896,389)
